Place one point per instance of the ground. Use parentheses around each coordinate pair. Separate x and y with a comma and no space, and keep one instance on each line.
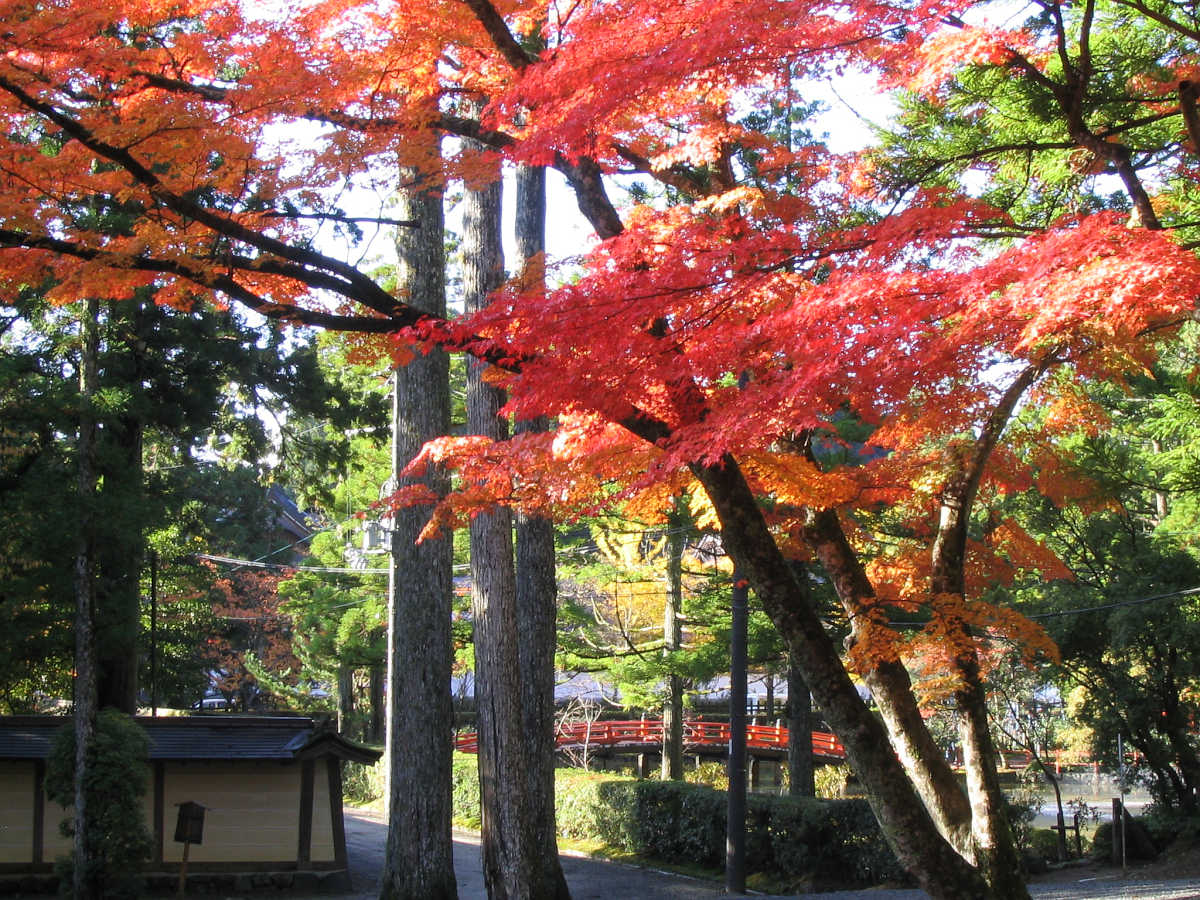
(1175,877)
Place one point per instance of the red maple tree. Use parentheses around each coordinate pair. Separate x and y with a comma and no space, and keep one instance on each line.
(714,338)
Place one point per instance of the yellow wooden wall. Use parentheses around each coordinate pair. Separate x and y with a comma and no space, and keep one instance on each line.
(16,812)
(252,816)
(322,823)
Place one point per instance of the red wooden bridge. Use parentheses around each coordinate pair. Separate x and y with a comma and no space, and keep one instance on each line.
(699,737)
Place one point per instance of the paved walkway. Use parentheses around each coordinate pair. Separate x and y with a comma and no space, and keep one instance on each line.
(592,879)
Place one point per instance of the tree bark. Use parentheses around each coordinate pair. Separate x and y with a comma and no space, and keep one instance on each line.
(84,707)
(537,598)
(420,859)
(891,687)
(375,725)
(801,772)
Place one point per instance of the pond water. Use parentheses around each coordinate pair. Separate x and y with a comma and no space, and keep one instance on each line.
(1095,790)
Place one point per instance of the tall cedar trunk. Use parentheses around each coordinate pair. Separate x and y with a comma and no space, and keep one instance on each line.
(119,557)
(801,773)
(345,696)
(537,598)
(672,752)
(904,819)
(420,860)
(375,727)
(84,710)
(494,592)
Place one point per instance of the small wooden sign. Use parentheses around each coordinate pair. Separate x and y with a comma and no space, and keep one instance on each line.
(189,828)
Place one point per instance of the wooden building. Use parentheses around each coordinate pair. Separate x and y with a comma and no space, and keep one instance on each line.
(272,789)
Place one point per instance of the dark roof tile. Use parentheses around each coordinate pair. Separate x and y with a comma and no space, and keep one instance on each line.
(197,738)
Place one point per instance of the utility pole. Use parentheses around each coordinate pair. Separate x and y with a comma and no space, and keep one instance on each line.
(735,833)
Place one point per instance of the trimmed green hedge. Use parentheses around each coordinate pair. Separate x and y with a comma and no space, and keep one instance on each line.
(821,842)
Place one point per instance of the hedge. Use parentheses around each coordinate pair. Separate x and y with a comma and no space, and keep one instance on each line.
(818,842)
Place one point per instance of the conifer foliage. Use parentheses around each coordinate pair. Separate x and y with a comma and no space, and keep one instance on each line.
(720,331)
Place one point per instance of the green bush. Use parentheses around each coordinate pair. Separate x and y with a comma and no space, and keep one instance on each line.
(823,842)
(831,781)
(709,774)
(117,778)
(363,783)
(464,788)
(1043,844)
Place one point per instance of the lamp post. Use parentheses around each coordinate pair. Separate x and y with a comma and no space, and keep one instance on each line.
(735,834)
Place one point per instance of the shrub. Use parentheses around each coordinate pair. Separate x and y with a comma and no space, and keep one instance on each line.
(833,842)
(464,791)
(830,781)
(363,783)
(117,780)
(1043,844)
(710,774)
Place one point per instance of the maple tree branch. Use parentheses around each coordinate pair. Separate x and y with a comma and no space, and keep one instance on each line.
(1188,93)
(224,283)
(950,542)
(207,91)
(366,291)
(338,217)
(584,177)
(493,23)
(677,177)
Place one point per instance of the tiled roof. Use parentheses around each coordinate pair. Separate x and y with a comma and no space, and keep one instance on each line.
(197,738)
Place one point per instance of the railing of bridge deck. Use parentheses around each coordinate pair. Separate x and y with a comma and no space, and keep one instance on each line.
(648,732)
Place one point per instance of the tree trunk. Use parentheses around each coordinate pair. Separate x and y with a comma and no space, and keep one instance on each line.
(420,859)
(891,687)
(84,708)
(504,837)
(904,819)
(375,727)
(672,752)
(345,696)
(537,598)
(801,771)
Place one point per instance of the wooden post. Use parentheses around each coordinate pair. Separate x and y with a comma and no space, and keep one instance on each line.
(183,868)
(1118,832)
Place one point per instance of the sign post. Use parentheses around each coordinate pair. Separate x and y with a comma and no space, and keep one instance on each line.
(189,829)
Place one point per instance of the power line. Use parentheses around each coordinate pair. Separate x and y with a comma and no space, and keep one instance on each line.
(257,564)
(330,570)
(1087,609)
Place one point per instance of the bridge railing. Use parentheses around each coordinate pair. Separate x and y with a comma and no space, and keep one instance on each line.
(645,732)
